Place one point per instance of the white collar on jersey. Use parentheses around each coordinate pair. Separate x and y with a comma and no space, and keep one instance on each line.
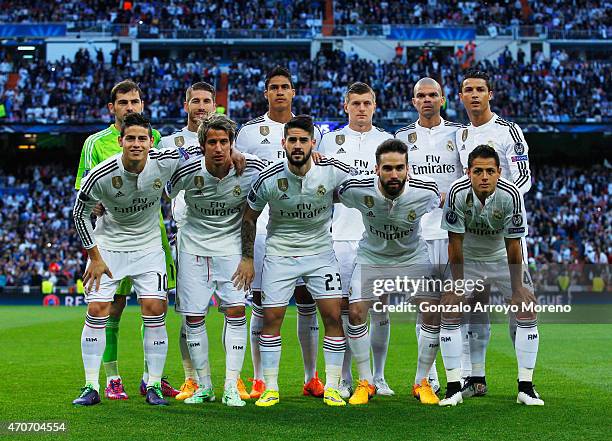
(268,120)
(139,180)
(420,127)
(230,173)
(487,124)
(356,133)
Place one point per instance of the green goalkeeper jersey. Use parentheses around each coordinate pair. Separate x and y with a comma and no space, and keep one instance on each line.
(100,146)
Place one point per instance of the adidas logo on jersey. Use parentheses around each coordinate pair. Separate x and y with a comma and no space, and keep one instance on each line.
(341,150)
(119,194)
(413,148)
(370,214)
(265,141)
(284,197)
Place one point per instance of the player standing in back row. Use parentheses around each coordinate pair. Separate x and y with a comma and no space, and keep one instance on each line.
(262,137)
(432,152)
(355,144)
(487,128)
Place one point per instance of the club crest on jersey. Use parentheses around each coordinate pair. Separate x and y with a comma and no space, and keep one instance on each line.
(412,137)
(117,182)
(469,200)
(368,201)
(283,184)
(321,191)
(157,184)
(491,144)
(179,141)
(517,220)
(519,148)
(237,191)
(411,216)
(450,146)
(464,135)
(198,181)
(264,130)
(340,139)
(451,217)
(497,214)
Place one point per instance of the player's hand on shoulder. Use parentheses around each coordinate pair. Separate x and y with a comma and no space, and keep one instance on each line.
(244,274)
(317,157)
(238,161)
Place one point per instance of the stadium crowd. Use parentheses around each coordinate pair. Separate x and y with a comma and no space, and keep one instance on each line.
(38,240)
(558,89)
(283,14)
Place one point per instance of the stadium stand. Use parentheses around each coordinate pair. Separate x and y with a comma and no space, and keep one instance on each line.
(558,89)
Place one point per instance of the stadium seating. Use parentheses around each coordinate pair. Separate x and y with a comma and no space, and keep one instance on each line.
(558,89)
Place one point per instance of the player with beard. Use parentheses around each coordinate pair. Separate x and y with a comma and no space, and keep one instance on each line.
(391,204)
(298,245)
(262,137)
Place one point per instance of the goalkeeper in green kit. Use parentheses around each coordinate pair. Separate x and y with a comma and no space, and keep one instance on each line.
(126,97)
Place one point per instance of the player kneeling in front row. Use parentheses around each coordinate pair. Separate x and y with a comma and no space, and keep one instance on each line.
(391,205)
(485,218)
(209,251)
(126,243)
(298,244)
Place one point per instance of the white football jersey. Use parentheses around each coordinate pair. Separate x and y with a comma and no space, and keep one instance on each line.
(132,201)
(433,152)
(262,137)
(181,138)
(214,206)
(507,139)
(300,206)
(485,226)
(357,149)
(391,225)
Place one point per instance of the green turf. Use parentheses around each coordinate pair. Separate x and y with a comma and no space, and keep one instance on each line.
(42,373)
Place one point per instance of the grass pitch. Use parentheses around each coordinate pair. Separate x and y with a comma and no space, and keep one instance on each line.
(42,373)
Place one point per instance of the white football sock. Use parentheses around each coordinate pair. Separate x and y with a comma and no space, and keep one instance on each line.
(526,346)
(254,334)
(308,335)
(270,349)
(197,344)
(234,342)
(333,352)
(480,333)
(359,343)
(466,361)
(380,330)
(428,344)
(450,346)
(347,374)
(93,342)
(185,357)
(155,346)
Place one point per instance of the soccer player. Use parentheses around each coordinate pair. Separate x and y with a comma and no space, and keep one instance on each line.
(485,218)
(125,99)
(298,245)
(433,153)
(126,243)
(209,251)
(508,141)
(355,144)
(392,205)
(262,137)
(199,104)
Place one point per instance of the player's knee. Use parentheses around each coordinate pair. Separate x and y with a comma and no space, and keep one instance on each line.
(450,306)
(357,314)
(235,311)
(98,309)
(152,307)
(194,318)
